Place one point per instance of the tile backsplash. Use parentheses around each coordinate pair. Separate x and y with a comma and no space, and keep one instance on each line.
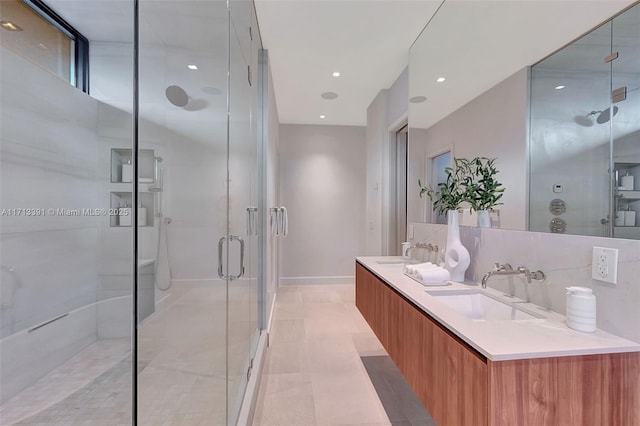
(566,261)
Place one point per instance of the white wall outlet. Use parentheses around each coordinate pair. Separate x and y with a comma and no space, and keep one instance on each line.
(604,264)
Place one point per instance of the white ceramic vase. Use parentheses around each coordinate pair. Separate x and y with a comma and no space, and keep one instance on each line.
(484,220)
(456,256)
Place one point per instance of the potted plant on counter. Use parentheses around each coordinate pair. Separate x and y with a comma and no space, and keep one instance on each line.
(483,191)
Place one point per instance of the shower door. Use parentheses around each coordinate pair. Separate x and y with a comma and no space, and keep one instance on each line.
(245,222)
(198,113)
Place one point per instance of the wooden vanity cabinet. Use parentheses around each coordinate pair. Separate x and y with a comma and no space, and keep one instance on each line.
(459,386)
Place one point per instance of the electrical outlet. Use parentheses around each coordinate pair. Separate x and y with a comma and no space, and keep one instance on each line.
(604,264)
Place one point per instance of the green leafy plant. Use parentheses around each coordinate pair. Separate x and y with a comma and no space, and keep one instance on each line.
(484,192)
(468,181)
(453,192)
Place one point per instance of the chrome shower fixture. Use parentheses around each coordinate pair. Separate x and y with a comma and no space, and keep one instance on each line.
(606,115)
(602,117)
(177,96)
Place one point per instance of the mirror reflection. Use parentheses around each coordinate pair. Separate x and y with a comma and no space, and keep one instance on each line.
(562,130)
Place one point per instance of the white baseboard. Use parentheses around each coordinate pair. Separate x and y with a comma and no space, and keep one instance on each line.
(287,281)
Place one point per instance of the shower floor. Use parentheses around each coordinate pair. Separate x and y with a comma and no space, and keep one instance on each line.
(181,370)
(72,377)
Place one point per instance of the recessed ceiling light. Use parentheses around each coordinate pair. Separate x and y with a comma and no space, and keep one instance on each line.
(440,79)
(329,95)
(559,87)
(323,116)
(418,99)
(192,67)
(336,74)
(8,25)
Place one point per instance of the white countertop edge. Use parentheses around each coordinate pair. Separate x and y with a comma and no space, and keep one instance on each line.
(599,342)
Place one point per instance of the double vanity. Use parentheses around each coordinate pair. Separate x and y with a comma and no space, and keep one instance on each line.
(477,356)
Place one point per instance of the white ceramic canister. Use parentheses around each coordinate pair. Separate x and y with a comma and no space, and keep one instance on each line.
(581,309)
(405,250)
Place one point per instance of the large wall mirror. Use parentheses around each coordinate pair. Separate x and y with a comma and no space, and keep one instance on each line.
(565,131)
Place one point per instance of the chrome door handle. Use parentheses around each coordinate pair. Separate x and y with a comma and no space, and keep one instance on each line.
(220,244)
(252,228)
(241,241)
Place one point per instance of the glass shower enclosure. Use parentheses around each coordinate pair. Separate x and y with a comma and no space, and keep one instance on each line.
(584,132)
(132,216)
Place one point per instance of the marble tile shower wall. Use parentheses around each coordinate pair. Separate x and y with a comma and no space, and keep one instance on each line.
(565,259)
(49,154)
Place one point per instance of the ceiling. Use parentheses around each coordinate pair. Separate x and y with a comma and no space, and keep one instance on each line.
(366,41)
(475,44)
(476,54)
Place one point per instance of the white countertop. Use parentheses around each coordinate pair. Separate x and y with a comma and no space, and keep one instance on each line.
(504,339)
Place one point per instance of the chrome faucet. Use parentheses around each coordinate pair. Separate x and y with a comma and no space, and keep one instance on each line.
(507,269)
(425,246)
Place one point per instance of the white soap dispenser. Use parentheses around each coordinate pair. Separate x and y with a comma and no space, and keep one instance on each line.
(125,215)
(627,182)
(581,309)
(142,214)
(127,171)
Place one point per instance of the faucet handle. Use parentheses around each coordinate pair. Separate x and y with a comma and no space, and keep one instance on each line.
(538,275)
(503,267)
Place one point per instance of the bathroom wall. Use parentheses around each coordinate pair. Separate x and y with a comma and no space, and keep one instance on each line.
(492,125)
(322,184)
(386,113)
(49,159)
(566,261)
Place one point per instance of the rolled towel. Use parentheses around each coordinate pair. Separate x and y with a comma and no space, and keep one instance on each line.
(422,267)
(434,276)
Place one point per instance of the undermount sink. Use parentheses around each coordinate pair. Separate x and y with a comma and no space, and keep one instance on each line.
(477,305)
(392,262)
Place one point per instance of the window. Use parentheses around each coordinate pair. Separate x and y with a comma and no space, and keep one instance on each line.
(438,175)
(34,31)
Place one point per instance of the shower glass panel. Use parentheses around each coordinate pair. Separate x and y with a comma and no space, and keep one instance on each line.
(66,293)
(569,138)
(626,124)
(182,337)
(245,220)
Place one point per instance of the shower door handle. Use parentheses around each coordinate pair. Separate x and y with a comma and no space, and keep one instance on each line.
(241,241)
(252,224)
(220,244)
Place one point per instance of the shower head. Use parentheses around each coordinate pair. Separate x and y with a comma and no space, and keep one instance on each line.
(606,115)
(158,159)
(177,96)
(602,117)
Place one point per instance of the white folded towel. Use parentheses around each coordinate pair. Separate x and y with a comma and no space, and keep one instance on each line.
(433,276)
(413,269)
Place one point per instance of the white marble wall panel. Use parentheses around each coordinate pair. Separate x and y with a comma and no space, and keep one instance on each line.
(565,259)
(49,155)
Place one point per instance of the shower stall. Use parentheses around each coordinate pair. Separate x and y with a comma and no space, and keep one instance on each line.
(133,213)
(584,132)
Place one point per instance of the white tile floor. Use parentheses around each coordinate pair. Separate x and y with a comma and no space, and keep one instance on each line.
(313,374)
(65,380)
